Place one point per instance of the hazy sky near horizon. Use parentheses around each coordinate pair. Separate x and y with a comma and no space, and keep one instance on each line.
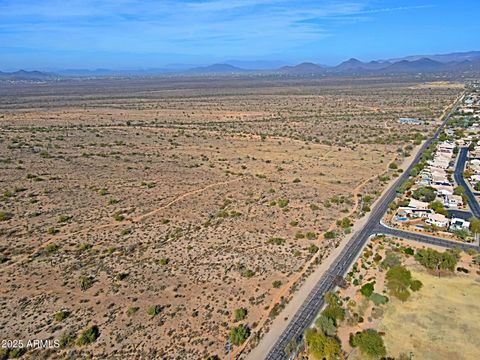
(49,34)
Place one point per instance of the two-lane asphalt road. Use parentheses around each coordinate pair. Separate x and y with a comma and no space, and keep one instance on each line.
(314,302)
(458,176)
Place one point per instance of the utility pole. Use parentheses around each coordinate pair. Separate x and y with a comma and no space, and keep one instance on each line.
(228,347)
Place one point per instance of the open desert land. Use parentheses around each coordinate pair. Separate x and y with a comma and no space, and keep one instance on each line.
(154,209)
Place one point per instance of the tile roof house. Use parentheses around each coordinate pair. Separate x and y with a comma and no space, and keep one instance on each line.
(437,220)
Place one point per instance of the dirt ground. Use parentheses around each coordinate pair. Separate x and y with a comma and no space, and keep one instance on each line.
(439,321)
(192,195)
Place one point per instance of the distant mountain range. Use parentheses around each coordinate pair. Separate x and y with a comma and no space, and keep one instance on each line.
(466,62)
(27,75)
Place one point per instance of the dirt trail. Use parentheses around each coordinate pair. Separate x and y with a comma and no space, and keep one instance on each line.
(134,220)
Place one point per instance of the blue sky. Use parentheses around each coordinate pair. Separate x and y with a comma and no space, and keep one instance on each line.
(50,34)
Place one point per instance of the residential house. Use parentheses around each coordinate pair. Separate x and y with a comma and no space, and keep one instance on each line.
(453,201)
(459,224)
(443,190)
(417,204)
(446,148)
(438,220)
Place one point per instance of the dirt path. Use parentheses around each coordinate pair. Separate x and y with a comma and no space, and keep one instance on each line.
(134,220)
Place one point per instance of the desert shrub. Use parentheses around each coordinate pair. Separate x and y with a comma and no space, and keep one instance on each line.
(367,289)
(311,235)
(61,315)
(369,342)
(86,282)
(276,241)
(154,310)
(248,273)
(164,261)
(276,284)
(113,201)
(239,334)
(378,299)
(121,276)
(409,251)
(344,223)
(66,339)
(88,336)
(11,353)
(64,218)
(283,202)
(416,285)
(5,216)
(293,223)
(299,235)
(118,216)
(84,246)
(51,248)
(3,259)
(126,231)
(330,235)
(132,310)
(240,314)
(312,249)
(52,231)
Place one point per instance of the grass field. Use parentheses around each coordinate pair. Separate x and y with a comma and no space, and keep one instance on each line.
(440,322)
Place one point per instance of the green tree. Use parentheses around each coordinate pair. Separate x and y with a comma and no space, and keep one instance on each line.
(398,282)
(326,324)
(426,194)
(391,260)
(474,225)
(367,289)
(370,343)
(344,223)
(416,285)
(459,190)
(240,314)
(435,260)
(333,310)
(239,334)
(438,207)
(320,346)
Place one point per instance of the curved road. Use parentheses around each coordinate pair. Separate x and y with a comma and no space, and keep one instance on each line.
(314,302)
(458,176)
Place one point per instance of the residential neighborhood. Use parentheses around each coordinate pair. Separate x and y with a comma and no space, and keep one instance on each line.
(431,200)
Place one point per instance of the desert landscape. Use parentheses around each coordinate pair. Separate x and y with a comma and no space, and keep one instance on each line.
(156,215)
